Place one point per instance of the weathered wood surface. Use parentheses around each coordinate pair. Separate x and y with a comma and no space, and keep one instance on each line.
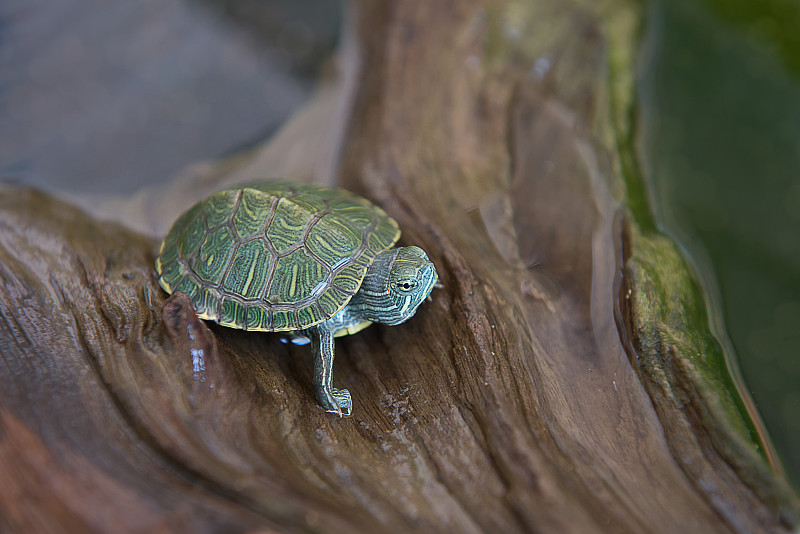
(507,404)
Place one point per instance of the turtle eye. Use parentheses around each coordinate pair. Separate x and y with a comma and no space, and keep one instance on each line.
(406,285)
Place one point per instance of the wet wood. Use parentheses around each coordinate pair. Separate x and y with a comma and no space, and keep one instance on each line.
(509,403)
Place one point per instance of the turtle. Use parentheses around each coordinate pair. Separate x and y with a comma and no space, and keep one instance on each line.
(310,261)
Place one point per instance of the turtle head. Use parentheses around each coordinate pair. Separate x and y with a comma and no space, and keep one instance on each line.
(396,283)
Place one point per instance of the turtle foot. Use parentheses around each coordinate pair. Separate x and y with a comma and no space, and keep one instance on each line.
(342,405)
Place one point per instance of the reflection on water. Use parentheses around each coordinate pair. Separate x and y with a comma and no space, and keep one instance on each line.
(720,109)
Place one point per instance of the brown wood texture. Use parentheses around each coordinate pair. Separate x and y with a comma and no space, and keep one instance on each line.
(508,404)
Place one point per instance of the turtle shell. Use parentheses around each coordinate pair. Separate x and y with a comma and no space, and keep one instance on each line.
(273,256)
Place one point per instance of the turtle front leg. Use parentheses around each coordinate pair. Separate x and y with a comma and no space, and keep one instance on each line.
(333,400)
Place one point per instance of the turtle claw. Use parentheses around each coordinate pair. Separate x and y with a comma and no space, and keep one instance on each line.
(344,401)
(343,404)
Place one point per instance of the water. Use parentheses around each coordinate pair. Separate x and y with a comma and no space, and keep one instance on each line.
(719,90)
(107,97)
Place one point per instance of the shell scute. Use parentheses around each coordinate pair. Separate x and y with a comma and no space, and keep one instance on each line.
(349,277)
(220,206)
(258,318)
(252,213)
(296,277)
(245,276)
(334,239)
(214,254)
(206,303)
(289,224)
(283,320)
(232,313)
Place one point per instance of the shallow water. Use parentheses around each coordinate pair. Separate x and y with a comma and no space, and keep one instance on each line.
(719,95)
(100,97)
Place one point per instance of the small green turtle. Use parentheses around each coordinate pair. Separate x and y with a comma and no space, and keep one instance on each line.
(315,262)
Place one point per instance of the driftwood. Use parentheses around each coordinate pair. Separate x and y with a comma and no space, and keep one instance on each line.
(538,390)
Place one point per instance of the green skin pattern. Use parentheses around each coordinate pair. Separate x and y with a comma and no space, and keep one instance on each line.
(308,260)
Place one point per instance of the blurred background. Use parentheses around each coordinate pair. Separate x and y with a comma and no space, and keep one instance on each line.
(719,108)
(102,97)
(105,97)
